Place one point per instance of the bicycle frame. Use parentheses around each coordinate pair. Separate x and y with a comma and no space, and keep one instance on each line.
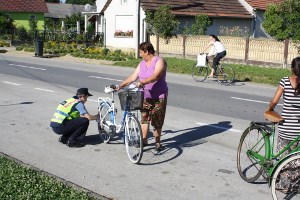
(269,139)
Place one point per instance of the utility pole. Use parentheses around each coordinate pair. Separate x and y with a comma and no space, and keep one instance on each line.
(137,53)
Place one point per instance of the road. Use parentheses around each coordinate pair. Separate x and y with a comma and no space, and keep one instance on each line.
(203,124)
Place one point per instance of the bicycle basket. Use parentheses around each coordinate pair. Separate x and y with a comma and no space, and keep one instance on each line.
(135,99)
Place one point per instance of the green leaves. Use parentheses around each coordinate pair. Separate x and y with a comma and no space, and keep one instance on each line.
(282,21)
(201,24)
(163,22)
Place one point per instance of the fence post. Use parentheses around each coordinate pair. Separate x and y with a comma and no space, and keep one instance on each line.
(247,50)
(285,53)
(183,45)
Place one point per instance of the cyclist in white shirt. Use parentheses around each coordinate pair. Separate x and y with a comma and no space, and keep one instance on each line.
(220,52)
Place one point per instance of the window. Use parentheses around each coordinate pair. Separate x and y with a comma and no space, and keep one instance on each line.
(124,25)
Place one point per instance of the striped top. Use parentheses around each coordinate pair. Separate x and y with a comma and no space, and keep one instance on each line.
(290,128)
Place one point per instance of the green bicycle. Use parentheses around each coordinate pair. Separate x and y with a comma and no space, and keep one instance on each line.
(256,156)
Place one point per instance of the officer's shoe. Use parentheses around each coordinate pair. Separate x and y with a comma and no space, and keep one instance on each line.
(76,143)
(63,139)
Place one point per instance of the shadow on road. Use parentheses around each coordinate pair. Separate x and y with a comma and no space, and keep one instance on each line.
(194,136)
(13,104)
(188,137)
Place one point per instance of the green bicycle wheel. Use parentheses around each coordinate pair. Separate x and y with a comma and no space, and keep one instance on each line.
(251,141)
(285,182)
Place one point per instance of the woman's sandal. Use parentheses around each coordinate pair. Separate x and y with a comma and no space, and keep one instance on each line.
(159,147)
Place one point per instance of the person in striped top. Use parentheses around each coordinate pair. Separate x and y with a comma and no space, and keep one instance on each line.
(289,87)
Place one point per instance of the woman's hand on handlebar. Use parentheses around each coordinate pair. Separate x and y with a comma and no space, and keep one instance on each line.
(139,84)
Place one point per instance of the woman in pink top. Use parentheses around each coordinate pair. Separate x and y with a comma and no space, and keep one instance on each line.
(151,74)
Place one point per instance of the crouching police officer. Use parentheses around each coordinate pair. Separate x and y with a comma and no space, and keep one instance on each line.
(71,119)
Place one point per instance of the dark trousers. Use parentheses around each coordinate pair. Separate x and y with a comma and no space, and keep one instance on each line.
(73,129)
(217,58)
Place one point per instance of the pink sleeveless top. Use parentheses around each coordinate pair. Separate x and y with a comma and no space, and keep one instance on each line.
(157,89)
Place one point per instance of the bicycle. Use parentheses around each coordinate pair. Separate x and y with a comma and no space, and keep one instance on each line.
(256,157)
(131,100)
(224,73)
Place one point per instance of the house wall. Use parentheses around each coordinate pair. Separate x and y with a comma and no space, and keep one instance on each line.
(219,26)
(21,19)
(121,17)
(259,30)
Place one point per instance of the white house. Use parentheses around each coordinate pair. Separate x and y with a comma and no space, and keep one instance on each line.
(118,20)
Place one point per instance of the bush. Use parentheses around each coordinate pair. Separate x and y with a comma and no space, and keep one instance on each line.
(19,48)
(4,44)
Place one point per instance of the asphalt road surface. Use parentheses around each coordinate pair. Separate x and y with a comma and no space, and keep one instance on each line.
(201,133)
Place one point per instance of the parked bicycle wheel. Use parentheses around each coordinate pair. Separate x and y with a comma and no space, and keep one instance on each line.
(133,139)
(285,182)
(104,116)
(251,141)
(200,73)
(225,74)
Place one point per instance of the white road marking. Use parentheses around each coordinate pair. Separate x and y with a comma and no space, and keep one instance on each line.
(11,83)
(252,100)
(219,127)
(43,89)
(27,67)
(111,79)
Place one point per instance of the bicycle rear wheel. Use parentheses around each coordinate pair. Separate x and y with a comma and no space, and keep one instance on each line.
(104,116)
(225,75)
(252,141)
(133,139)
(285,182)
(199,73)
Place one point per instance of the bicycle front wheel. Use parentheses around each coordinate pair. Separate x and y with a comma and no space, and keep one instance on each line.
(199,73)
(252,142)
(225,75)
(133,139)
(104,115)
(285,183)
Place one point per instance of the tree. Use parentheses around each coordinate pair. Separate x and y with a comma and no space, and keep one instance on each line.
(81,2)
(6,24)
(71,21)
(162,22)
(202,21)
(282,21)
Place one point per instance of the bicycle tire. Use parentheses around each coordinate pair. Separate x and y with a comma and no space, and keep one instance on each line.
(102,110)
(249,168)
(225,75)
(281,168)
(133,139)
(199,73)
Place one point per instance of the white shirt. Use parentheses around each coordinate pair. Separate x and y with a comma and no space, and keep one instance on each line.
(219,47)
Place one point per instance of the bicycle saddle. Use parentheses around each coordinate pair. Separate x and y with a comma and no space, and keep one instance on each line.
(273,116)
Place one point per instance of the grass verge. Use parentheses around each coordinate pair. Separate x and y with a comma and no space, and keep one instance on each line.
(243,73)
(22,182)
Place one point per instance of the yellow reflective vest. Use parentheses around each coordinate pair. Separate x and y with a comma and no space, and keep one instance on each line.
(65,111)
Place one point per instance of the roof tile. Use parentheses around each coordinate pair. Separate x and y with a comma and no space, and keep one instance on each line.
(213,8)
(37,6)
(262,4)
